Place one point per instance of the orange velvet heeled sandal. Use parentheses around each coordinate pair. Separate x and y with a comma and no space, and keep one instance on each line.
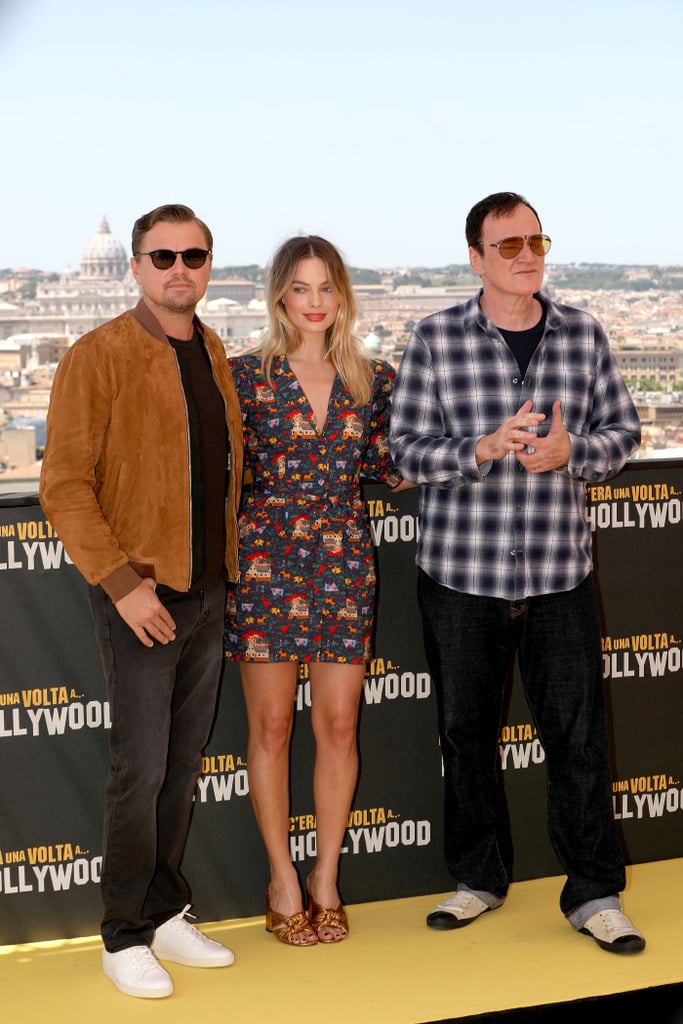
(286,929)
(323,919)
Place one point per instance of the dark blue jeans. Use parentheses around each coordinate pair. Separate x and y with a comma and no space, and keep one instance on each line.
(163,701)
(470,643)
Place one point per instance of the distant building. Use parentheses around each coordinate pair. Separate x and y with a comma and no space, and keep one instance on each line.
(662,365)
(21,352)
(10,356)
(17,447)
(75,303)
(239,289)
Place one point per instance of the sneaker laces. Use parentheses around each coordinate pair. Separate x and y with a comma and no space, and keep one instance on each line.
(460,902)
(181,919)
(185,912)
(143,959)
(616,925)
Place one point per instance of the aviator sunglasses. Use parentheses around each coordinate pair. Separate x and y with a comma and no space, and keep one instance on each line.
(511,247)
(164,259)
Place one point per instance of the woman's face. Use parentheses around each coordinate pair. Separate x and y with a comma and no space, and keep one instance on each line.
(310,302)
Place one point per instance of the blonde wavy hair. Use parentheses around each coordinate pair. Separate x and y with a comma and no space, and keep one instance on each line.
(344,349)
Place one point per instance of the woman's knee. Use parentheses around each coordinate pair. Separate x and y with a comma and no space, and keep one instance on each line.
(336,731)
(272,732)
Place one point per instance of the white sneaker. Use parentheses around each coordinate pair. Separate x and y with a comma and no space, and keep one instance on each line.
(136,972)
(613,931)
(460,909)
(180,942)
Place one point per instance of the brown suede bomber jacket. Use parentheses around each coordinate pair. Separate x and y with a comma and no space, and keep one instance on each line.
(115,479)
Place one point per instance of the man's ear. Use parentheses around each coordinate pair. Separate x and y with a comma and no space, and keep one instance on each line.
(475,260)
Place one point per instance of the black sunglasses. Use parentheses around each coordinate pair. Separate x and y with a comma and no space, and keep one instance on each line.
(163,259)
(511,247)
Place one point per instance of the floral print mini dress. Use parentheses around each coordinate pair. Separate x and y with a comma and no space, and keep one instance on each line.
(307,568)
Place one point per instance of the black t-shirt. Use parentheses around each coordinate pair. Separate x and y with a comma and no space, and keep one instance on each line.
(523,344)
(209,450)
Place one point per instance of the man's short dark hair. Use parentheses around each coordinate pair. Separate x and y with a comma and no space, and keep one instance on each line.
(171,213)
(500,204)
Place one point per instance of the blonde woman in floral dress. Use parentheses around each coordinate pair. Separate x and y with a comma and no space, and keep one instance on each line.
(315,412)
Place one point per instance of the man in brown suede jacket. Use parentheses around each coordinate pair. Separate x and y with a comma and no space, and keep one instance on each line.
(141,479)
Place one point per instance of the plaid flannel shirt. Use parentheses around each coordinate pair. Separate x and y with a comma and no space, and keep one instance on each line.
(496,530)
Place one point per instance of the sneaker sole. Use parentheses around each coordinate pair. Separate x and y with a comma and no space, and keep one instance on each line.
(146,993)
(190,962)
(442,921)
(629,944)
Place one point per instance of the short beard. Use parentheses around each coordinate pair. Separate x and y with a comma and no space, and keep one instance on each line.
(175,304)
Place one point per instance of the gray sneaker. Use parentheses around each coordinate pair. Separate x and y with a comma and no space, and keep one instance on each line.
(460,909)
(613,931)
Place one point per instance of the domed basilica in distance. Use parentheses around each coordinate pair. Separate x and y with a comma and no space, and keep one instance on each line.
(104,287)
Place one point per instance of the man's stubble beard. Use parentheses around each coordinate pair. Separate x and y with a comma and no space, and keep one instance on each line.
(180,304)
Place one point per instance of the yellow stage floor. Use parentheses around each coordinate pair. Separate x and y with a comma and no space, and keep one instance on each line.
(392,969)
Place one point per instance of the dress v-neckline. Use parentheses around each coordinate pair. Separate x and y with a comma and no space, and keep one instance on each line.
(319,428)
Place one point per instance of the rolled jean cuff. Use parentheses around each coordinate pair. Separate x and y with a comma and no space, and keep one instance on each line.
(578,917)
(490,899)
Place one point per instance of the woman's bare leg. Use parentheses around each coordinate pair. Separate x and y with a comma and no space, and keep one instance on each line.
(269,691)
(335,700)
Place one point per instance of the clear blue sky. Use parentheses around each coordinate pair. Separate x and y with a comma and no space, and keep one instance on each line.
(377,123)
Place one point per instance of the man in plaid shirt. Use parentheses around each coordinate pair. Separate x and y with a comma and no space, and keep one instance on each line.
(504,407)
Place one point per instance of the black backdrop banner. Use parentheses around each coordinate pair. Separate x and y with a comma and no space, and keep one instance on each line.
(54,719)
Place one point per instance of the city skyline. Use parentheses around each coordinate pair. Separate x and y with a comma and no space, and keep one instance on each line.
(639,308)
(388,270)
(372,126)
